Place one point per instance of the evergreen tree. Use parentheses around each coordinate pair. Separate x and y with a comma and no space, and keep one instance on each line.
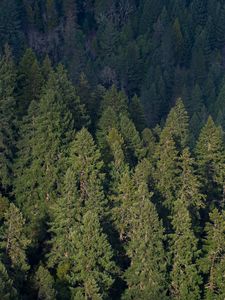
(149,142)
(177,125)
(13,240)
(65,215)
(210,156)
(213,261)
(29,83)
(134,147)
(190,186)
(86,163)
(7,290)
(145,276)
(167,171)
(137,113)
(41,161)
(185,278)
(93,271)
(118,161)
(7,120)
(44,284)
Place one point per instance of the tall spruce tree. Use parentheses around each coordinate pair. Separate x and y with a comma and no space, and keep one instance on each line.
(7,290)
(14,241)
(213,261)
(41,163)
(7,120)
(167,171)
(210,156)
(93,270)
(190,186)
(177,124)
(44,284)
(86,163)
(146,275)
(185,277)
(29,81)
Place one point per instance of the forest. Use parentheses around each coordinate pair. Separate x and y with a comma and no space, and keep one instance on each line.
(112,150)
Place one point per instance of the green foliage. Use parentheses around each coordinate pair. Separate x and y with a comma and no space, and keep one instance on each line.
(86,163)
(145,276)
(44,284)
(185,277)
(93,270)
(212,262)
(7,120)
(46,132)
(14,240)
(7,290)
(210,156)
(94,198)
(30,81)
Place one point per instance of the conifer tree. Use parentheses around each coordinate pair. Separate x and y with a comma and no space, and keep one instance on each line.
(213,261)
(66,212)
(7,120)
(44,284)
(93,270)
(167,171)
(86,163)
(29,81)
(137,113)
(46,68)
(134,147)
(190,187)
(14,241)
(118,162)
(145,276)
(210,156)
(185,278)
(7,290)
(41,158)
(177,124)
(116,100)
(149,142)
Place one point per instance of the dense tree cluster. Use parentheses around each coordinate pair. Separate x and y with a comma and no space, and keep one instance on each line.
(98,206)
(112,153)
(157,49)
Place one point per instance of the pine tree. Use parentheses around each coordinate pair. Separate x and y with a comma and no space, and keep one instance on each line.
(29,81)
(44,284)
(167,171)
(85,161)
(219,110)
(7,120)
(7,290)
(117,160)
(13,240)
(93,271)
(134,147)
(41,159)
(190,185)
(213,261)
(46,68)
(145,276)
(65,217)
(177,124)
(210,155)
(137,113)
(117,100)
(185,278)
(149,142)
